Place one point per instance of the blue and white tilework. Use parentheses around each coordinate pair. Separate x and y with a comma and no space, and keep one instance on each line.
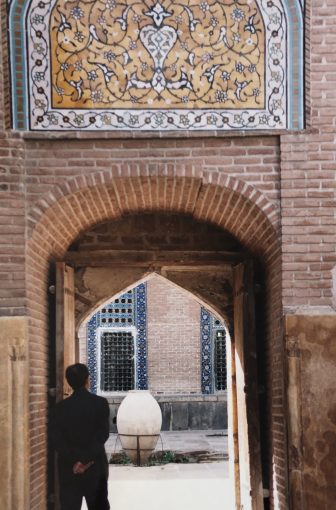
(209,324)
(128,310)
(141,326)
(92,352)
(206,352)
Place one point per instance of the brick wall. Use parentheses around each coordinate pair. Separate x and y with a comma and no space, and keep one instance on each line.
(37,308)
(12,226)
(174,348)
(159,231)
(308,219)
(49,162)
(274,422)
(12,198)
(308,177)
(173,336)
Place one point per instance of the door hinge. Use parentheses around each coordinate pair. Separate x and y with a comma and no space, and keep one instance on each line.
(52,392)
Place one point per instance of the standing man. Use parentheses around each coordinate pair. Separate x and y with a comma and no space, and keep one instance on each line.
(80,429)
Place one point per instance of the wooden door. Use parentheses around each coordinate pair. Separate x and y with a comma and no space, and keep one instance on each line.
(65,326)
(250,477)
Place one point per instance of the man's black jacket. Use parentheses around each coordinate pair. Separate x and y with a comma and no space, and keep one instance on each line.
(80,430)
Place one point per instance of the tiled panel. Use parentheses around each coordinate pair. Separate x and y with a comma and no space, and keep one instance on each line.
(125,311)
(210,325)
(141,326)
(206,355)
(104,64)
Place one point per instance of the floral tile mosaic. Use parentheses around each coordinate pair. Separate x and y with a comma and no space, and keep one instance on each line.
(159,65)
(168,55)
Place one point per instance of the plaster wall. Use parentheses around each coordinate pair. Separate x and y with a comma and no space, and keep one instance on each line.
(311,350)
(14,448)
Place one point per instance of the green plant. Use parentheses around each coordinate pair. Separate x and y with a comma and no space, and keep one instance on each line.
(168,457)
(119,458)
(124,459)
(161,458)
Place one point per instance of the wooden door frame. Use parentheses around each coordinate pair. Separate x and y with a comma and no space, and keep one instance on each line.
(65,326)
(60,318)
(247,445)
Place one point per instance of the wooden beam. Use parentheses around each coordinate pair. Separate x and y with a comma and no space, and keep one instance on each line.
(156,259)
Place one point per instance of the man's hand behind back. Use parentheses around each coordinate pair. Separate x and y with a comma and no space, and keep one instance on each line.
(79,468)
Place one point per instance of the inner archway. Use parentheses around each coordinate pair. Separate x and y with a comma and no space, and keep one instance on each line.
(184,345)
(161,319)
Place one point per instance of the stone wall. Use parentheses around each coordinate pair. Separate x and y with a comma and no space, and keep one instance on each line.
(187,412)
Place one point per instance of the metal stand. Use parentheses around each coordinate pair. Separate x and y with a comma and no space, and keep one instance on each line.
(138,449)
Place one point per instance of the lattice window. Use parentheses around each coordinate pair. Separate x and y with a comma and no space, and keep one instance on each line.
(119,312)
(117,361)
(220,359)
(125,312)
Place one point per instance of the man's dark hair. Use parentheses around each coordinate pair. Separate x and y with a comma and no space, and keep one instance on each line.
(77,375)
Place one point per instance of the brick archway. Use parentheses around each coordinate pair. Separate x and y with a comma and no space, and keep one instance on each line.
(85,201)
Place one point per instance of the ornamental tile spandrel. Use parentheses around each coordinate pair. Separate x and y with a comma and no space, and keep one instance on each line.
(159,65)
(157,55)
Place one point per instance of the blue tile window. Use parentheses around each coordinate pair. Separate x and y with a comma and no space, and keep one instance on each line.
(128,311)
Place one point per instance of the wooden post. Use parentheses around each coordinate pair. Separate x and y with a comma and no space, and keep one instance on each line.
(233,419)
(65,326)
(251,490)
(65,338)
(295,428)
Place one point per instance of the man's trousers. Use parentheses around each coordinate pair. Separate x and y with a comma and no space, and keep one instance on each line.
(91,485)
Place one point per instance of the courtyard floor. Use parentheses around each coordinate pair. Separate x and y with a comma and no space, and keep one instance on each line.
(170,487)
(173,486)
(215,441)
